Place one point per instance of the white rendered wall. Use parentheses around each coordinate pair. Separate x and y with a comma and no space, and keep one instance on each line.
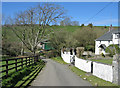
(100,70)
(115,40)
(98,43)
(103,71)
(66,56)
(84,65)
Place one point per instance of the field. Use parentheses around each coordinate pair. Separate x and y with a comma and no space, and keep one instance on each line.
(100,30)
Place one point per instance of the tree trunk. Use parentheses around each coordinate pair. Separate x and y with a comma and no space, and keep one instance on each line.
(22,50)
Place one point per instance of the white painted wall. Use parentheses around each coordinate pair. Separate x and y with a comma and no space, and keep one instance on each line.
(100,70)
(66,56)
(115,39)
(98,43)
(84,65)
(103,71)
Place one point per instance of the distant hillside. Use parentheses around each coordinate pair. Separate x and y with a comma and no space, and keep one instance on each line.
(100,30)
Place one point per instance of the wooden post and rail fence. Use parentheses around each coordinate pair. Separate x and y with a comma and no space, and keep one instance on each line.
(23,60)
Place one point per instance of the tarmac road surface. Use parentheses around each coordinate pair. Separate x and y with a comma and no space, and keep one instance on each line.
(56,74)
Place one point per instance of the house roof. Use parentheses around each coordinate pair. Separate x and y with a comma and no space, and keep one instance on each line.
(107,36)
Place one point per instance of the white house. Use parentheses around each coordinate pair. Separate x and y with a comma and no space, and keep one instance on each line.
(111,37)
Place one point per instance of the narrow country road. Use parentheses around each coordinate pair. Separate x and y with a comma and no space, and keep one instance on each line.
(55,74)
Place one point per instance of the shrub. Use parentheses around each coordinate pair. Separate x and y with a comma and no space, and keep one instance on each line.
(84,37)
(52,53)
(102,55)
(11,48)
(90,48)
(112,50)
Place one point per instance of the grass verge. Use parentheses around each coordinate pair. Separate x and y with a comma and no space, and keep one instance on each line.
(59,60)
(106,61)
(95,81)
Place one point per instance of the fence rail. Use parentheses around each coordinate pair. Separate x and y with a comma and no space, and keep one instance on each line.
(28,61)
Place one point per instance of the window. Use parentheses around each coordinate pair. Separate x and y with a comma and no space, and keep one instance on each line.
(117,36)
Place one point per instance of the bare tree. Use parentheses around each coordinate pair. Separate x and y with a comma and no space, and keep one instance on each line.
(66,22)
(75,23)
(33,23)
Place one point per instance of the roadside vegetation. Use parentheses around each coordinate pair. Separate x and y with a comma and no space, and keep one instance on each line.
(75,36)
(106,61)
(69,36)
(58,59)
(25,31)
(95,81)
(23,77)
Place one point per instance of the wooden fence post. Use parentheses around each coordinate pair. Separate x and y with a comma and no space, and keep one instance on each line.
(22,63)
(29,60)
(37,58)
(6,67)
(34,59)
(16,64)
(26,61)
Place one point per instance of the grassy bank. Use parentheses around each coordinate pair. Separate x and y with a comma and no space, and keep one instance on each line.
(106,61)
(59,60)
(95,81)
(13,65)
(23,77)
(92,79)
(10,35)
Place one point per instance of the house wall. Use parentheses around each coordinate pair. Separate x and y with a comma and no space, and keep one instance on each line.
(43,46)
(39,45)
(103,71)
(115,40)
(98,43)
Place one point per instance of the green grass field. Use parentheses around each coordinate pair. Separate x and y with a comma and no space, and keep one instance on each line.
(100,30)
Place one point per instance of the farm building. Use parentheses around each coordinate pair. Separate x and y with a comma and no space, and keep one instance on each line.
(45,45)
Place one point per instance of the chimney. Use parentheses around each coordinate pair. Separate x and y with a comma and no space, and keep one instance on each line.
(110,28)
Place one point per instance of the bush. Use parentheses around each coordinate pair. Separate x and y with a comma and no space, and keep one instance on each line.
(84,38)
(102,55)
(112,50)
(11,48)
(90,48)
(51,54)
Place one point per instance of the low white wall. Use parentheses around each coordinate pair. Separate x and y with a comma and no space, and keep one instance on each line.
(103,71)
(66,56)
(100,70)
(84,65)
